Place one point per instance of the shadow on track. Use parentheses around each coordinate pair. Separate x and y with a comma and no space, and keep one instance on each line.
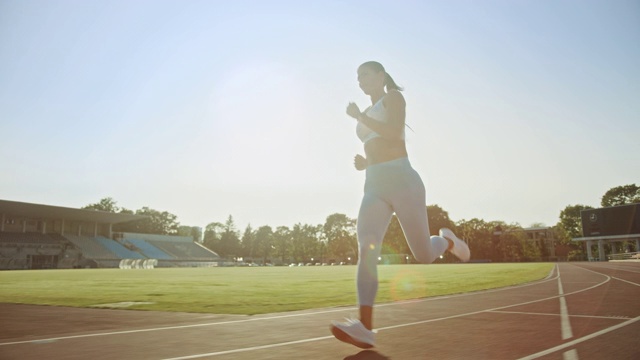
(367,355)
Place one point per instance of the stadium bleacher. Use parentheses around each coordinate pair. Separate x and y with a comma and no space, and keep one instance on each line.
(119,249)
(179,248)
(32,250)
(91,248)
(76,251)
(39,236)
(184,251)
(150,250)
(54,250)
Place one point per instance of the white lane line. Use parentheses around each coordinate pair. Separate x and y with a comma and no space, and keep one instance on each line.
(565,324)
(580,340)
(570,355)
(613,277)
(620,268)
(260,347)
(333,310)
(627,281)
(211,354)
(195,356)
(172,327)
(571,316)
(607,279)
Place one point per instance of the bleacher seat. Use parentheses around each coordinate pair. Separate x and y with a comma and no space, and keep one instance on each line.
(121,251)
(149,250)
(185,250)
(91,248)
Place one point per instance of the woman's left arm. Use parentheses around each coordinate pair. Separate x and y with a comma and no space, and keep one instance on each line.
(396,111)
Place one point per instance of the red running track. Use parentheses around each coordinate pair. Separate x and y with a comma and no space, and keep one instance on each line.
(581,311)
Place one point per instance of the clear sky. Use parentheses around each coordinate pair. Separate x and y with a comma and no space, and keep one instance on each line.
(213,108)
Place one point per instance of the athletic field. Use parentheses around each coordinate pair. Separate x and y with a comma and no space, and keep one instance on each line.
(252,290)
(578,311)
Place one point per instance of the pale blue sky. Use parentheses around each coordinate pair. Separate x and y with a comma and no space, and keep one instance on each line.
(213,108)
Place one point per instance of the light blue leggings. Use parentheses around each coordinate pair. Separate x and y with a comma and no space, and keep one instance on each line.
(392,186)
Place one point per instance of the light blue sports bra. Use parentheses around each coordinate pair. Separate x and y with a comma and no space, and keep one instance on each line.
(377,112)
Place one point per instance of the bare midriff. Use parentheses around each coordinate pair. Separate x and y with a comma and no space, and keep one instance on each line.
(380,149)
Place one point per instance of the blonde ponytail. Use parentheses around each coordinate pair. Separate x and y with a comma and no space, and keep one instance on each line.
(390,84)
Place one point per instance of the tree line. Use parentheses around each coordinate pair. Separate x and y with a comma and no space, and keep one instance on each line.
(335,240)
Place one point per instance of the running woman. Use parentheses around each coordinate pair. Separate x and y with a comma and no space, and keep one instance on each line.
(391,185)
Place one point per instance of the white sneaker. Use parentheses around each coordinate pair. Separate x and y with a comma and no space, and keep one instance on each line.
(353,332)
(460,248)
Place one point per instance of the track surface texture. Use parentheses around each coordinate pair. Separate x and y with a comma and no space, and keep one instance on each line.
(580,311)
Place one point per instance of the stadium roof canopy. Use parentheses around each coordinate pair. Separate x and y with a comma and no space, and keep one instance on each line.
(38,211)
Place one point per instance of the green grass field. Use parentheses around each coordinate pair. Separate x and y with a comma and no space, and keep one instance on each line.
(253,290)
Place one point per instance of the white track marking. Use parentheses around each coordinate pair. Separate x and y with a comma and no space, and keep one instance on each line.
(620,267)
(570,355)
(588,337)
(556,315)
(341,309)
(627,281)
(579,340)
(608,278)
(388,327)
(565,324)
(268,346)
(613,277)
(211,354)
(171,327)
(557,348)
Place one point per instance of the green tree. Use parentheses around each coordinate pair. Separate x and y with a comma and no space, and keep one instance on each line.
(438,218)
(106,204)
(297,244)
(529,250)
(339,232)
(569,226)
(511,241)
(156,222)
(229,245)
(212,235)
(248,242)
(184,230)
(621,195)
(479,235)
(305,240)
(571,222)
(564,245)
(195,232)
(264,242)
(312,240)
(282,242)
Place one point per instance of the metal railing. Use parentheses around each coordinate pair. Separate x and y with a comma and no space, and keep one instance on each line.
(625,256)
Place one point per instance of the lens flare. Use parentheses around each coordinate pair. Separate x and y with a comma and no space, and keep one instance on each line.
(408,284)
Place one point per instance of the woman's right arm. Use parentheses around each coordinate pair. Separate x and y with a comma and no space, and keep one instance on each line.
(360,162)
